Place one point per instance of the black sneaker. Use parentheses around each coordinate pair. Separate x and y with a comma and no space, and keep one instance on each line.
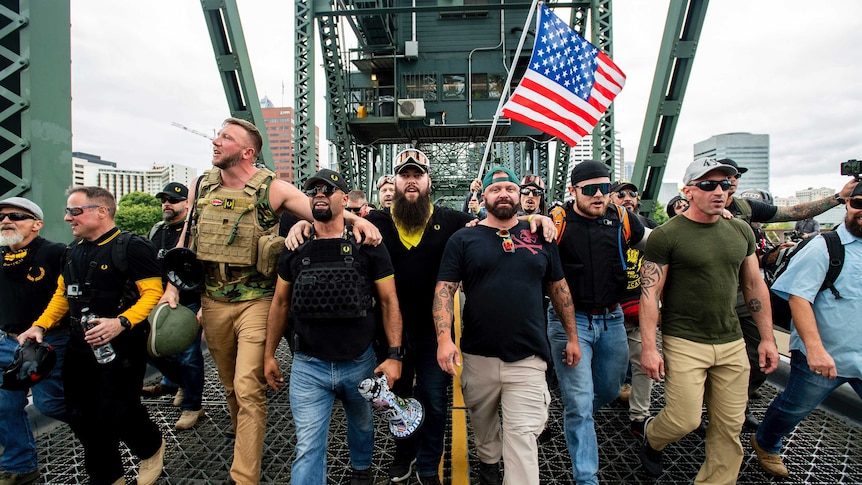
(637,428)
(361,477)
(400,469)
(650,457)
(489,474)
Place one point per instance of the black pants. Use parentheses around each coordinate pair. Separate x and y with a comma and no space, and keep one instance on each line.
(104,403)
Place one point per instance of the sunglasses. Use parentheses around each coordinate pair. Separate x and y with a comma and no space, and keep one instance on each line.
(738,176)
(631,193)
(854,203)
(508,244)
(16,216)
(591,189)
(78,210)
(356,210)
(710,185)
(534,192)
(326,189)
(171,200)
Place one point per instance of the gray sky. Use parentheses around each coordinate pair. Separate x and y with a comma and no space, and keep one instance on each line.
(786,68)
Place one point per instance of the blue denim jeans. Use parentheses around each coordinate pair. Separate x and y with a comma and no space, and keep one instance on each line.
(16,438)
(594,382)
(314,385)
(805,391)
(426,445)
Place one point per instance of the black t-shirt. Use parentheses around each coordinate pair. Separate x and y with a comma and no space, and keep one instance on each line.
(760,211)
(335,339)
(28,279)
(416,268)
(504,313)
(593,259)
(107,281)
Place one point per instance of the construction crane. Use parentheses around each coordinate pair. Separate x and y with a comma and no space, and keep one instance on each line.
(190,130)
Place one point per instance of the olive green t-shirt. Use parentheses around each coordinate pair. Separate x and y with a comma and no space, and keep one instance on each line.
(703,262)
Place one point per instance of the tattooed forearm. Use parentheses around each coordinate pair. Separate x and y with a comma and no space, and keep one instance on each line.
(651,275)
(443,307)
(805,210)
(561,298)
(754,305)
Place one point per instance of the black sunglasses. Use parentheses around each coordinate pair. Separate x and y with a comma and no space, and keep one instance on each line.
(738,176)
(78,210)
(591,189)
(710,185)
(854,203)
(631,193)
(171,200)
(326,189)
(357,210)
(16,216)
(529,191)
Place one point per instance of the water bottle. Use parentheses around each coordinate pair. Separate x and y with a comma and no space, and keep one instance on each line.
(104,352)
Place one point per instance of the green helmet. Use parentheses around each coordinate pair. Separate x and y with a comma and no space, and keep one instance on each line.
(171,330)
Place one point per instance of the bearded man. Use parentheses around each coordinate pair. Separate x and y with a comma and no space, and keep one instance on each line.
(594,236)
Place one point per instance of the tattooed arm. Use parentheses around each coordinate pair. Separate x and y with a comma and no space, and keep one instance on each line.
(653,277)
(811,209)
(443,312)
(757,300)
(565,309)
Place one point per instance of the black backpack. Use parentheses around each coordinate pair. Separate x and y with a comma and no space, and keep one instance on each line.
(780,306)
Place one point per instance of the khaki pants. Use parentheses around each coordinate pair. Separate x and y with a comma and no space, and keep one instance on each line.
(719,374)
(521,389)
(235,334)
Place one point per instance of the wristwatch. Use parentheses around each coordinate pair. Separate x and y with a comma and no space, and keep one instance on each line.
(396,353)
(839,198)
(124,322)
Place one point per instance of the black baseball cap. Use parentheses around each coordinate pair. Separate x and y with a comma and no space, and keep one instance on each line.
(174,190)
(329,177)
(732,163)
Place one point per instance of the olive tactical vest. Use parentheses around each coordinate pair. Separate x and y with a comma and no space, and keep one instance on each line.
(226,225)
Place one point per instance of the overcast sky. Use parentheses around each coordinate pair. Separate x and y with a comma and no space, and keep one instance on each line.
(787,68)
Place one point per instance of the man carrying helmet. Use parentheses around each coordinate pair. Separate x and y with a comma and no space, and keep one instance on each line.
(28,278)
(183,372)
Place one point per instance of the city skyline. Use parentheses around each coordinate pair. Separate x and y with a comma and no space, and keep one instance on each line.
(123,106)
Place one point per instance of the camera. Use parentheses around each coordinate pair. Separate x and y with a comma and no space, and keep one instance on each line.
(792,236)
(851,167)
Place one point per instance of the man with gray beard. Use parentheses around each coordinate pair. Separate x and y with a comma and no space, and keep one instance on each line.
(28,278)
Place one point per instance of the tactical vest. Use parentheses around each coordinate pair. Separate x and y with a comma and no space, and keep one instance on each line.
(227,223)
(327,286)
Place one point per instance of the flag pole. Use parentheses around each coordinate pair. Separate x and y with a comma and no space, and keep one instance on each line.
(506,88)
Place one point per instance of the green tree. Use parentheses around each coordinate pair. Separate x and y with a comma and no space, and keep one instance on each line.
(137,212)
(660,216)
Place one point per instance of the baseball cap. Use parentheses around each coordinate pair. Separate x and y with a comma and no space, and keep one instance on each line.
(490,179)
(329,177)
(411,158)
(699,168)
(589,169)
(732,163)
(22,203)
(175,190)
(622,184)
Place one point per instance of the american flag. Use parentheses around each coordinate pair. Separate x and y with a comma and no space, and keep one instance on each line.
(568,85)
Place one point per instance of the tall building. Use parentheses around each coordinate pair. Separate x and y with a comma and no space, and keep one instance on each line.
(89,169)
(748,150)
(279,130)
